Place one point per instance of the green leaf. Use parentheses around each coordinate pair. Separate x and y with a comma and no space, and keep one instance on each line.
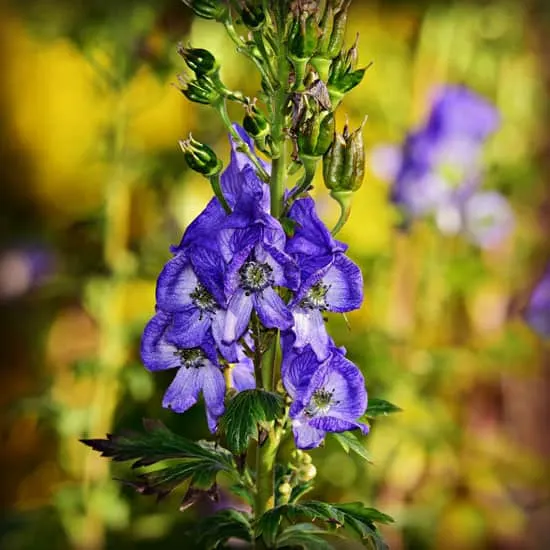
(349,442)
(300,490)
(354,516)
(304,535)
(380,407)
(245,412)
(218,528)
(198,462)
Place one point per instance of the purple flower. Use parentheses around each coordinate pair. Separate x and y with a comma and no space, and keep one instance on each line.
(252,243)
(488,218)
(198,370)
(336,287)
(231,181)
(537,313)
(441,162)
(328,396)
(330,280)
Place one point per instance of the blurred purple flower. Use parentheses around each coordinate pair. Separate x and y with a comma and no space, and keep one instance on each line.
(458,111)
(487,219)
(537,312)
(23,268)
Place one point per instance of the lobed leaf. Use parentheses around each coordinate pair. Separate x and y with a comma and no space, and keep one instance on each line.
(198,462)
(354,516)
(245,412)
(225,524)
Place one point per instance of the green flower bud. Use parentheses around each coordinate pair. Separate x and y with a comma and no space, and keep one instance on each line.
(200,61)
(315,132)
(344,162)
(303,38)
(338,33)
(257,126)
(200,157)
(342,76)
(208,9)
(285,489)
(200,90)
(327,24)
(253,16)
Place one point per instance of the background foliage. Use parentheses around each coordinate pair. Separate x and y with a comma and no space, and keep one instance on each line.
(94,189)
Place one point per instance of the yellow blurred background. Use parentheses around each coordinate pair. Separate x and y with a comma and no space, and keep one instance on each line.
(94,190)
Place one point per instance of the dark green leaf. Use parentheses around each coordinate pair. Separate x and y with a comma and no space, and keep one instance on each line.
(380,407)
(354,516)
(198,462)
(218,528)
(245,412)
(304,535)
(349,442)
(300,490)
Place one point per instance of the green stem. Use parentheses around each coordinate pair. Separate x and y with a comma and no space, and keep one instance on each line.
(278,168)
(343,198)
(265,473)
(222,110)
(217,188)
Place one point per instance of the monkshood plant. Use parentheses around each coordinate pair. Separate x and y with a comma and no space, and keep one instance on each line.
(241,305)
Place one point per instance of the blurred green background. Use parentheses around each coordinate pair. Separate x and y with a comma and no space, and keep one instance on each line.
(94,189)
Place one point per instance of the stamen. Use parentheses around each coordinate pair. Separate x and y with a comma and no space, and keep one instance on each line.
(203,300)
(316,297)
(320,403)
(256,276)
(191,357)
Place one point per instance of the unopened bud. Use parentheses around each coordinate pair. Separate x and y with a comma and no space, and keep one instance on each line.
(307,473)
(252,15)
(200,61)
(342,76)
(208,9)
(315,132)
(200,157)
(338,33)
(256,126)
(200,90)
(285,489)
(344,162)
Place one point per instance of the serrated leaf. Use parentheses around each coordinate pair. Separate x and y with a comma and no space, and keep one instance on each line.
(380,407)
(304,535)
(349,442)
(354,516)
(244,413)
(198,462)
(225,524)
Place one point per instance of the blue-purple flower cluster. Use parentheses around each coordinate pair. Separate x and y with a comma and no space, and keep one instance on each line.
(438,170)
(234,273)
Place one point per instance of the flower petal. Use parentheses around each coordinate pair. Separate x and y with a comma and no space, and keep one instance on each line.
(345,285)
(309,328)
(271,309)
(184,391)
(237,317)
(189,328)
(306,436)
(156,352)
(213,388)
(332,424)
(175,284)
